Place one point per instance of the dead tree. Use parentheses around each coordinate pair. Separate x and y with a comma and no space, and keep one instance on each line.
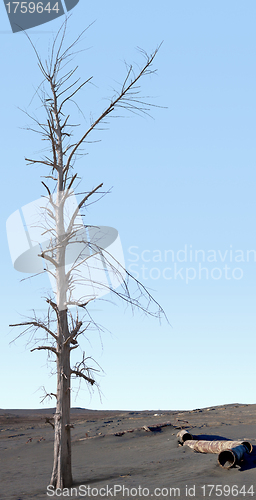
(65,231)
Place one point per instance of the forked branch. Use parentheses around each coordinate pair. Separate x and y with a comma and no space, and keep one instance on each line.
(74,334)
(82,367)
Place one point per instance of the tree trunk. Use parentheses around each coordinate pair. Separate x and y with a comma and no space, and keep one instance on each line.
(62,473)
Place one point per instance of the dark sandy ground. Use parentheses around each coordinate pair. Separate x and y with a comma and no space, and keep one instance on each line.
(134,465)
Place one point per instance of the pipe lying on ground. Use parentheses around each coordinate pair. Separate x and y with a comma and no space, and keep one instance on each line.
(216,446)
(232,457)
(230,452)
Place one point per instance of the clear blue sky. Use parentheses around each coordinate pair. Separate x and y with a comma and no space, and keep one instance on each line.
(183,181)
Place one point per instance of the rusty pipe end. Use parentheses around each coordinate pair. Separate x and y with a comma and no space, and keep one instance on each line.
(248,446)
(232,457)
(226,459)
(183,436)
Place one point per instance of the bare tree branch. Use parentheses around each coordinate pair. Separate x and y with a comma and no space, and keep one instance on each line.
(74,333)
(71,95)
(47,420)
(72,220)
(125,89)
(37,324)
(46,187)
(77,373)
(44,347)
